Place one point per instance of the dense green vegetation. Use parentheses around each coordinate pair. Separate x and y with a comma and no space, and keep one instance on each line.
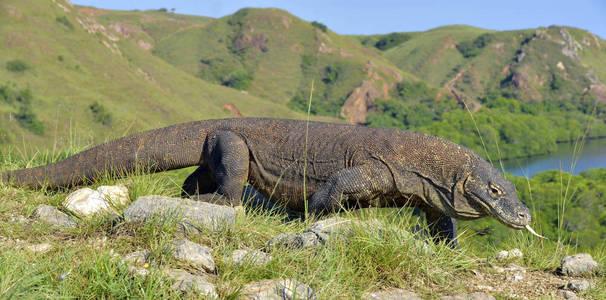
(16,65)
(319,25)
(471,48)
(100,114)
(22,99)
(391,40)
(566,208)
(503,128)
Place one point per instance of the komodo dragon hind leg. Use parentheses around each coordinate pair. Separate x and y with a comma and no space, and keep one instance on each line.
(221,180)
(199,182)
(442,228)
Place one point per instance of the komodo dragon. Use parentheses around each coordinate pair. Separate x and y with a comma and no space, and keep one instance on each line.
(345,166)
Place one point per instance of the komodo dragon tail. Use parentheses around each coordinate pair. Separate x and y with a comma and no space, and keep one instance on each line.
(167,148)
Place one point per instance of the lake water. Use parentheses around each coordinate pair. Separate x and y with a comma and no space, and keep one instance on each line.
(593,155)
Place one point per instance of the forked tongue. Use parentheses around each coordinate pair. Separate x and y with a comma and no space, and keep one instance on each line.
(533,232)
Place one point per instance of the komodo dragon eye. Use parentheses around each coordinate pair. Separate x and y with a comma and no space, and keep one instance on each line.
(494,190)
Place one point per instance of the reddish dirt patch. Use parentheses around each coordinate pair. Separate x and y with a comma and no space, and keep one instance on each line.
(233,109)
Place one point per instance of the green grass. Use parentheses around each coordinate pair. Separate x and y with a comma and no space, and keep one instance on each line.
(83,261)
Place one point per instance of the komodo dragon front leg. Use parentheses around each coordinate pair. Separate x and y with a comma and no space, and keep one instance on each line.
(359,184)
(221,179)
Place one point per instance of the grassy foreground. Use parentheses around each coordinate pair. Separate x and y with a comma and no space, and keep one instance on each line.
(85,262)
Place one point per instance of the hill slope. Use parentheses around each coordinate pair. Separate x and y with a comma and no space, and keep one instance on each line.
(64,61)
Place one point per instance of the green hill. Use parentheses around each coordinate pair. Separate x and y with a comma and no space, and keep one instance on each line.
(64,61)
(103,73)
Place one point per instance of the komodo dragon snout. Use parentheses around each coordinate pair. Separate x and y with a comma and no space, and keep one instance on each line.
(496,196)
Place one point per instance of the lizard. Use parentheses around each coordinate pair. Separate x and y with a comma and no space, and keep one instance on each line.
(324,166)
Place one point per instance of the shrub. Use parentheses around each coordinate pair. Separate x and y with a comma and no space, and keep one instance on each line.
(29,121)
(331,74)
(100,114)
(391,40)
(319,26)
(65,22)
(240,80)
(16,65)
(472,48)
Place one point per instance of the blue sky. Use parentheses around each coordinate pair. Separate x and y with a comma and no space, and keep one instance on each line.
(383,16)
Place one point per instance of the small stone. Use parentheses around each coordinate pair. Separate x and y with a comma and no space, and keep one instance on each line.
(472,296)
(391,294)
(184,281)
(294,240)
(117,195)
(136,258)
(40,248)
(53,216)
(194,216)
(86,202)
(195,254)
(516,277)
(579,264)
(138,271)
(578,285)
(485,287)
(277,289)
(509,255)
(254,257)
(567,294)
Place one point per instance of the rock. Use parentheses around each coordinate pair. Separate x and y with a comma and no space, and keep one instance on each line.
(509,255)
(135,271)
(320,232)
(485,287)
(567,294)
(294,240)
(579,264)
(185,282)
(136,258)
(54,217)
(195,254)
(117,195)
(40,248)
(86,201)
(391,294)
(194,216)
(254,257)
(277,289)
(472,296)
(578,285)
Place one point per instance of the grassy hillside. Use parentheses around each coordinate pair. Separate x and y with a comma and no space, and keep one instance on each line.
(275,55)
(66,61)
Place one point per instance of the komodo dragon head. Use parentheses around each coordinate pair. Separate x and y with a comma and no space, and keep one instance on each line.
(495,196)
(486,190)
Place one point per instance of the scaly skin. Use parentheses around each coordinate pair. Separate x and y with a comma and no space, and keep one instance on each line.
(345,166)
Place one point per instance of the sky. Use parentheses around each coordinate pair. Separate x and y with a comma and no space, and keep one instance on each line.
(384,16)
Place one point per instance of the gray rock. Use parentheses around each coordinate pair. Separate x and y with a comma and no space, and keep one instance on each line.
(472,296)
(277,289)
(579,264)
(40,248)
(567,294)
(136,258)
(391,294)
(509,255)
(54,217)
(184,281)
(294,240)
(193,216)
(320,233)
(254,257)
(578,285)
(135,271)
(195,254)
